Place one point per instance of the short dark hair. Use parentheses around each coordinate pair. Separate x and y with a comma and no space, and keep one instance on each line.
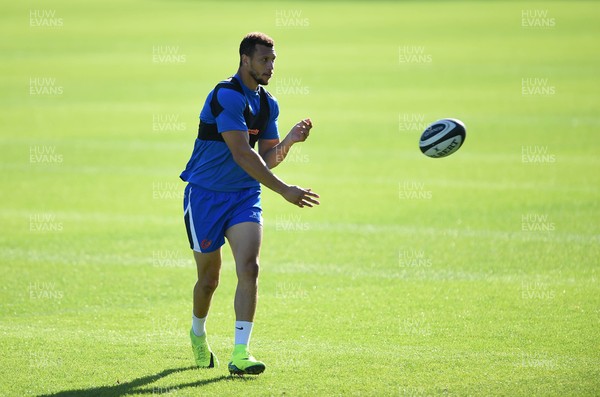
(249,42)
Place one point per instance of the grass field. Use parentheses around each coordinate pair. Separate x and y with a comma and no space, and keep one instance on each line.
(476,274)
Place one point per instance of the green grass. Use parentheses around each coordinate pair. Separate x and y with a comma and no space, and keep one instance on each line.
(369,294)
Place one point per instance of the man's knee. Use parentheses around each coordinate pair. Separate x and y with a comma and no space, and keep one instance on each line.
(248,270)
(208,284)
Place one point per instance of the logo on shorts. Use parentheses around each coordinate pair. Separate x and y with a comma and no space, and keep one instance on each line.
(256,215)
(205,244)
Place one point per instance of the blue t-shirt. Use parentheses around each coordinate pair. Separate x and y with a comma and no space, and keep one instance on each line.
(211,165)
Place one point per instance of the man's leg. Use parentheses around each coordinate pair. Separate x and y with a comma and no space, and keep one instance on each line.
(208,266)
(245,240)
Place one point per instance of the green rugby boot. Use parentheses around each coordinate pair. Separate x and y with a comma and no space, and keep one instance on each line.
(202,354)
(243,363)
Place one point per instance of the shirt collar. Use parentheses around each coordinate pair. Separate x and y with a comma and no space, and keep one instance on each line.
(247,90)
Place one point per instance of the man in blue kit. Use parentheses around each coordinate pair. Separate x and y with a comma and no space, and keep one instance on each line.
(222,198)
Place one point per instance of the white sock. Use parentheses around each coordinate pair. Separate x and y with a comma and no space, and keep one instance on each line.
(243,329)
(198,325)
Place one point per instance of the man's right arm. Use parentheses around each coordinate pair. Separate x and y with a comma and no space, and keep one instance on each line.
(250,161)
(254,165)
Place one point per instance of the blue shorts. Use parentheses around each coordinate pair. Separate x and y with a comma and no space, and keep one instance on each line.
(208,214)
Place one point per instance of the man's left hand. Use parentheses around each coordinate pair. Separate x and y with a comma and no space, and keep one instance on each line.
(300,132)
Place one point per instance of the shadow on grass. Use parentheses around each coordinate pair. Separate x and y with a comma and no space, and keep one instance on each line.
(136,386)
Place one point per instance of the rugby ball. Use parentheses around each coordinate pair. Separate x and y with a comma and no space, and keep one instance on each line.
(442,138)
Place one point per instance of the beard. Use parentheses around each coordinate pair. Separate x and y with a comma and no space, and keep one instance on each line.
(258,78)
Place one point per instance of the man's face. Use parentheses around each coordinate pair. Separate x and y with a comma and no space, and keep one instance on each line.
(262,63)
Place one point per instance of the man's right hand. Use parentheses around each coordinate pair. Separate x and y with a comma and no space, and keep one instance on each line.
(300,197)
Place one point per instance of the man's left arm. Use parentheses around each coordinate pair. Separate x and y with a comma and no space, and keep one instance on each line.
(274,152)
